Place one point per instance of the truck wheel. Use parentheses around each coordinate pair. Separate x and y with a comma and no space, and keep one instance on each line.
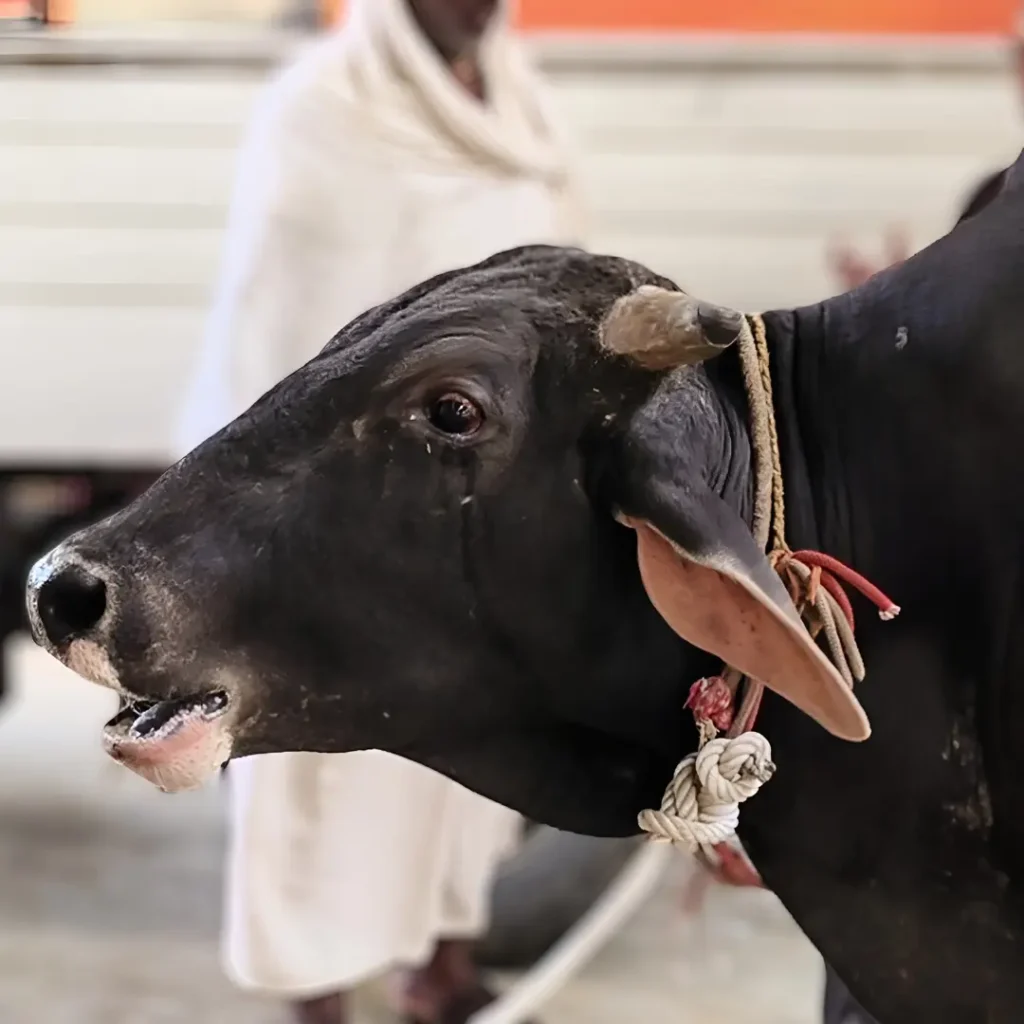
(544,889)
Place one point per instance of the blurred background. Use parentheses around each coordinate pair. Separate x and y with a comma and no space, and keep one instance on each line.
(727,145)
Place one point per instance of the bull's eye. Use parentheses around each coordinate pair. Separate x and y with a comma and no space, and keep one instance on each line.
(454,413)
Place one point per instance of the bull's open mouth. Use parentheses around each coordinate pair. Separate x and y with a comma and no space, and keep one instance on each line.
(175,744)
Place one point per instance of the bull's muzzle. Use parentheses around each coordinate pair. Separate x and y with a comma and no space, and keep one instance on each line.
(176,736)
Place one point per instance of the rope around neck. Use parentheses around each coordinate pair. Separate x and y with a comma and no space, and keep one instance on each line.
(769,494)
(700,808)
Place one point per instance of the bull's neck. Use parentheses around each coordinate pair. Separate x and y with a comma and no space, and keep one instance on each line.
(893,419)
(842,448)
(814,485)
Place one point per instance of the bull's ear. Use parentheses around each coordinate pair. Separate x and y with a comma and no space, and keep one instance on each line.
(708,580)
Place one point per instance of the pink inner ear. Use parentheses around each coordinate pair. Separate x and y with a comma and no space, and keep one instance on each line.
(714,606)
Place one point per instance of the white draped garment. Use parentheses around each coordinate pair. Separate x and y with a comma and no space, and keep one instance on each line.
(366,169)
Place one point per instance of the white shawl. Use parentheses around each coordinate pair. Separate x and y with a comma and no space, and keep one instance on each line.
(367,169)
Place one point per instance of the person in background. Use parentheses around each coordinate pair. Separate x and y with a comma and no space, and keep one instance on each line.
(851,268)
(411,141)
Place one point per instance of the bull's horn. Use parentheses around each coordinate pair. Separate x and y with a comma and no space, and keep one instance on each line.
(661,329)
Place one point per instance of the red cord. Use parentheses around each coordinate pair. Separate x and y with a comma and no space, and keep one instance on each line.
(887,608)
(734,869)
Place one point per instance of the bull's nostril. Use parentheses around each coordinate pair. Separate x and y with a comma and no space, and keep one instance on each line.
(71,604)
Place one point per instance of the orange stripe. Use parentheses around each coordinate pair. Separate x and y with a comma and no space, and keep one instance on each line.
(867,16)
(60,12)
(864,16)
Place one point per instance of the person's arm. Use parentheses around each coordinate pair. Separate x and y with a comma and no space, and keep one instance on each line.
(851,268)
(293,269)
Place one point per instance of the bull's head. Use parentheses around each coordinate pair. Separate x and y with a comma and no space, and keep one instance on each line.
(450,536)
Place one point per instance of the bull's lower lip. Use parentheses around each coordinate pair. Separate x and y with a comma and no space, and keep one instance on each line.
(175,744)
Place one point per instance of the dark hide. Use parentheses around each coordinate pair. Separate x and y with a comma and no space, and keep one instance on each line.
(983,193)
(839,1006)
(361,580)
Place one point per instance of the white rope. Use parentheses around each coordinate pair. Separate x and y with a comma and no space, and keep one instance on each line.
(701,806)
(633,884)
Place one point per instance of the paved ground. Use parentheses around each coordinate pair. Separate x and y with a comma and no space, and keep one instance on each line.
(109,899)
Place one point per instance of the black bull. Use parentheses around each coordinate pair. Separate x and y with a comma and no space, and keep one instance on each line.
(414,543)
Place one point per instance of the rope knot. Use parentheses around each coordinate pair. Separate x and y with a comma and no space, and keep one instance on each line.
(701,805)
(731,771)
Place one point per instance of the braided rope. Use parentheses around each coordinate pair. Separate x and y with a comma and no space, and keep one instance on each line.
(761,426)
(778,510)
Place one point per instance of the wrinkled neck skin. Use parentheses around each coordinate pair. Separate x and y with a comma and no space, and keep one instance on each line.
(728,469)
(899,417)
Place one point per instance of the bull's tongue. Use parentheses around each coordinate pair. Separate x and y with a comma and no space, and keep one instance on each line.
(175,744)
(156,717)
